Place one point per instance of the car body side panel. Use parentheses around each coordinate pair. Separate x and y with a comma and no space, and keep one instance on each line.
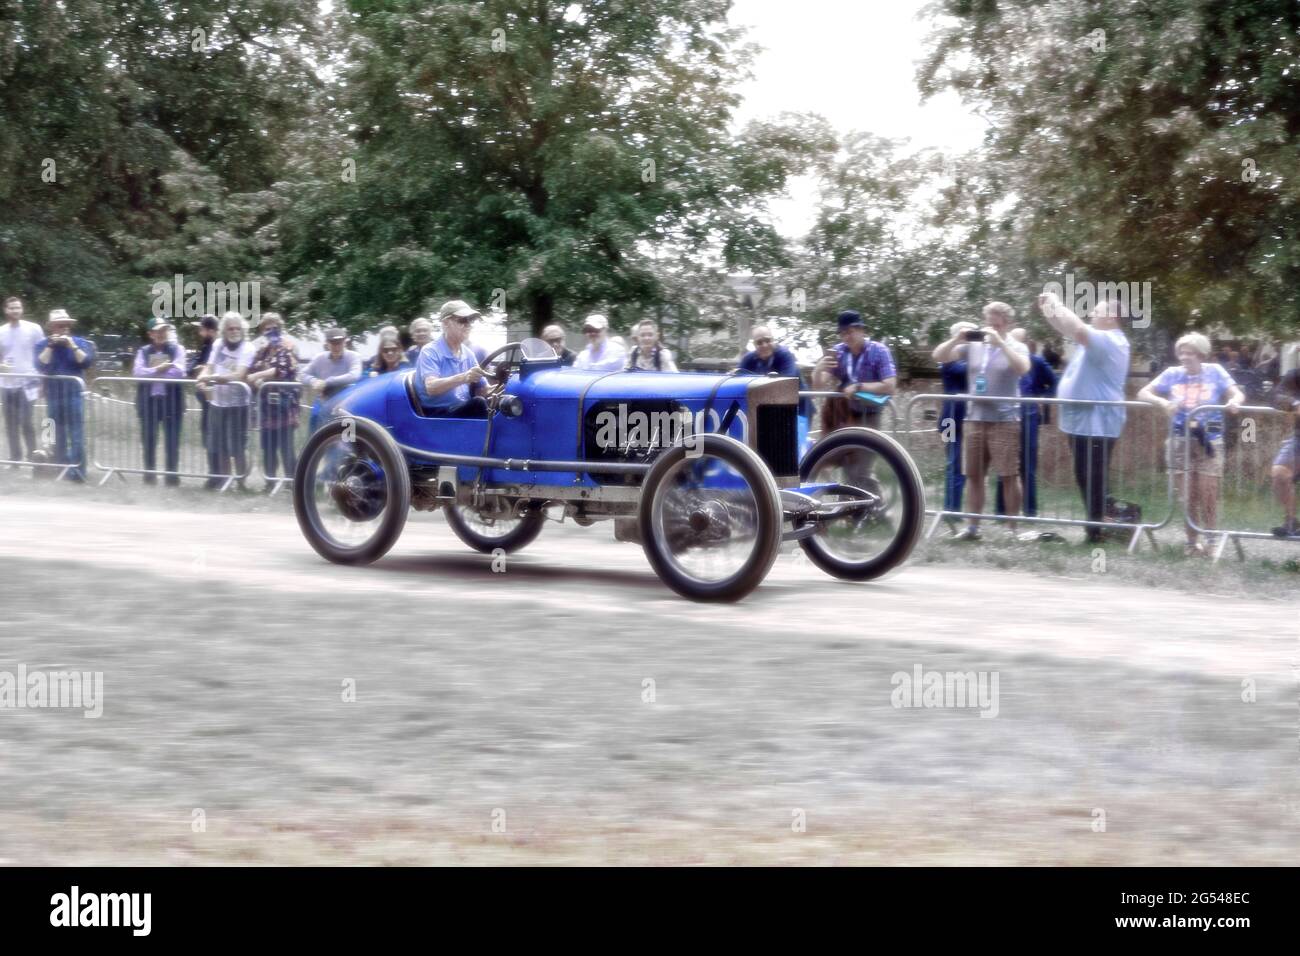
(550,427)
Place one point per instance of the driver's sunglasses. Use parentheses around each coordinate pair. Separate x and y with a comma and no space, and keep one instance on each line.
(555,341)
(392,348)
(460,320)
(591,331)
(762,341)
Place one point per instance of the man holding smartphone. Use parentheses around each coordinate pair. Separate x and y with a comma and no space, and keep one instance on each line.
(994,363)
(856,367)
(61,353)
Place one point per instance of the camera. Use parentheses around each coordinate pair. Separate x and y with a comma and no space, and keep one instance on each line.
(1198,431)
(973,335)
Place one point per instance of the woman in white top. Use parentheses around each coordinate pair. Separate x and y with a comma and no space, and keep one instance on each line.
(223,379)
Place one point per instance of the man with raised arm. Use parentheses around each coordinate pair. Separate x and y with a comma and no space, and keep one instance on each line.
(1095,373)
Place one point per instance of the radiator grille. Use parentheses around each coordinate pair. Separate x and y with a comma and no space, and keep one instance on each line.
(778,439)
(654,410)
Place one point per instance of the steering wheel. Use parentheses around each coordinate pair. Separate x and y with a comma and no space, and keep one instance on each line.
(530,348)
(527,349)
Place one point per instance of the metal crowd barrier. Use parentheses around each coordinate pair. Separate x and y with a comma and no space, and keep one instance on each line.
(30,423)
(1134,475)
(1248,449)
(190,437)
(114,432)
(891,418)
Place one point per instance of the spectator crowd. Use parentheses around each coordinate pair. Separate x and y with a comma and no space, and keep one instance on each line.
(988,368)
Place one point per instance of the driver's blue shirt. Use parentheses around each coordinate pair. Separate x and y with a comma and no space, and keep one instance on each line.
(437,360)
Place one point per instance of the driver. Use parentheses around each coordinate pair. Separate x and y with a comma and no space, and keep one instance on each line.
(447,367)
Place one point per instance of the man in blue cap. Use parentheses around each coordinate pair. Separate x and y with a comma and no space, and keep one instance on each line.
(857,365)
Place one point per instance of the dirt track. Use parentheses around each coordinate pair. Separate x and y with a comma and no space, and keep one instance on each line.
(224,643)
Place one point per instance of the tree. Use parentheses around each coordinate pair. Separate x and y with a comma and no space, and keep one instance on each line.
(902,237)
(1143,140)
(532,156)
(110,110)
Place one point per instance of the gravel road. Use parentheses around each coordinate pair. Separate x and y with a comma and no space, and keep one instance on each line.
(573,709)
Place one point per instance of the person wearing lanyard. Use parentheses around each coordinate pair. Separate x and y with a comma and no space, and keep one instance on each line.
(858,365)
(853,367)
(992,428)
(1038,382)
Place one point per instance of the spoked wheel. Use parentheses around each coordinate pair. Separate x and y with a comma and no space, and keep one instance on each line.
(710,520)
(351,492)
(861,465)
(496,525)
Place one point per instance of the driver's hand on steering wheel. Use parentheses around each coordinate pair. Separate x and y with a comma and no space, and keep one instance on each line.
(475,374)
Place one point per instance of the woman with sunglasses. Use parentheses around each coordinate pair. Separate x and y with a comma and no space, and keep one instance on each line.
(389,358)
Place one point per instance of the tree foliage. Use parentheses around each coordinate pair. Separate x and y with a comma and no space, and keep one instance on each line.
(540,153)
(1142,140)
(130,127)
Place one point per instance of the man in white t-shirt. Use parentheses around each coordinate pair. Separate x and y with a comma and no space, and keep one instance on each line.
(18,339)
(600,355)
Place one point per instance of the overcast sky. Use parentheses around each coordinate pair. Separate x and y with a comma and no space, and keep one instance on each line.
(855,64)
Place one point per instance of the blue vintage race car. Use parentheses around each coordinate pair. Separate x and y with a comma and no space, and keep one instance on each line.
(703,470)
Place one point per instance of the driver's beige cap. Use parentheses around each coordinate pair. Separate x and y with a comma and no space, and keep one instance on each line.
(462,310)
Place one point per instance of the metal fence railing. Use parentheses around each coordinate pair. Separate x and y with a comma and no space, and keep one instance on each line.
(171,429)
(890,415)
(1100,487)
(46,416)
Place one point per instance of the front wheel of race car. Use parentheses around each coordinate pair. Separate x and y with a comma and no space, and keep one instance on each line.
(496,525)
(351,491)
(710,519)
(861,465)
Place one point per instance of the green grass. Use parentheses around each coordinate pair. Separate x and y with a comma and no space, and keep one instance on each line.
(1270,570)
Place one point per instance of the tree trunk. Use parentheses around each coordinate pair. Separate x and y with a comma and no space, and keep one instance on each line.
(542,309)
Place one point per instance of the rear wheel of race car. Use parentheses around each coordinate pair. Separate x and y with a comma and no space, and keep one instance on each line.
(869,542)
(351,491)
(498,526)
(710,519)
